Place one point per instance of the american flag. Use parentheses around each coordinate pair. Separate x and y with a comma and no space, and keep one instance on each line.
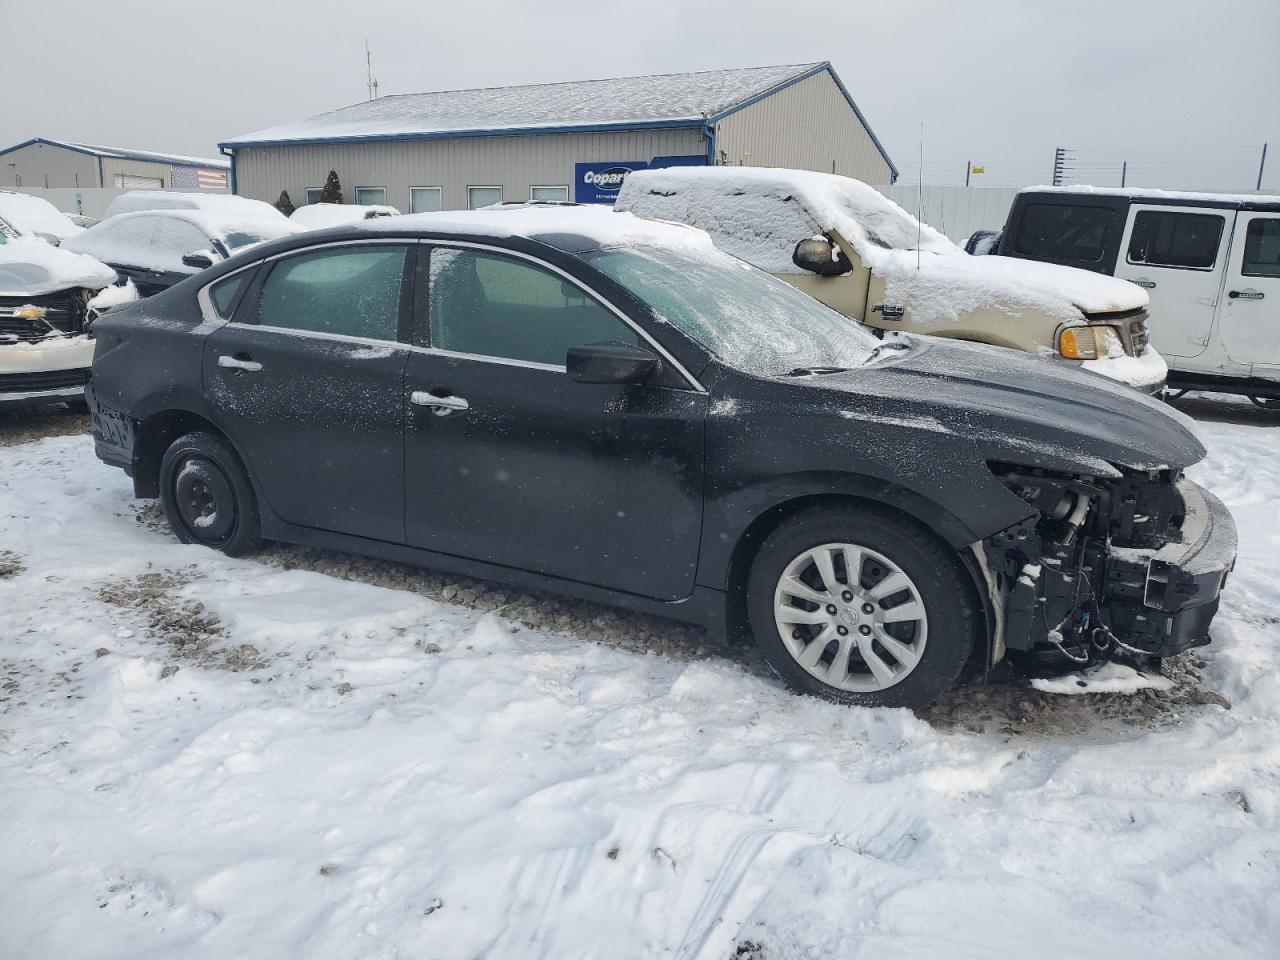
(202,178)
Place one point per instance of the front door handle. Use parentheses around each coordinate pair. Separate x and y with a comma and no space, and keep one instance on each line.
(441,406)
(240,362)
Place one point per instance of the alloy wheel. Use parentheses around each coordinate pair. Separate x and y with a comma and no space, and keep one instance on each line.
(850,617)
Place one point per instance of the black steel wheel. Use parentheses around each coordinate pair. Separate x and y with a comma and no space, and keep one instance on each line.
(207,496)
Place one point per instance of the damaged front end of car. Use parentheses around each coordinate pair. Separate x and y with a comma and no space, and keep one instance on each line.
(1129,564)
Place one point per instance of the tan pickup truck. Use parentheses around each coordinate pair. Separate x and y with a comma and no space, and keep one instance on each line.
(847,245)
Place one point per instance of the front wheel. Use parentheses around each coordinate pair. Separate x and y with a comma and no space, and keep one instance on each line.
(207,496)
(858,605)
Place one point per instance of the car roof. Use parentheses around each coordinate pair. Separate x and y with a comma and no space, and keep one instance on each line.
(1082,193)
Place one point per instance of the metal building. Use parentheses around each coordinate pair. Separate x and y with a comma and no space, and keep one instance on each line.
(42,163)
(561,141)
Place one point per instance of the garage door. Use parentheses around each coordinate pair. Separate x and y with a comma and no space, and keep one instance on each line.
(127,181)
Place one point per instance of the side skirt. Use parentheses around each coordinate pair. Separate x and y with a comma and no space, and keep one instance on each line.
(704,607)
(1245,386)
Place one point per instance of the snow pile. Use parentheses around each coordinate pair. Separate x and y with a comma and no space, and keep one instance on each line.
(30,267)
(1103,678)
(223,203)
(341,770)
(35,215)
(760,214)
(317,216)
(113,297)
(1141,373)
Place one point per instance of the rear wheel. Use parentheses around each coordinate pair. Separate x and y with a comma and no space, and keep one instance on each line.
(857,605)
(207,496)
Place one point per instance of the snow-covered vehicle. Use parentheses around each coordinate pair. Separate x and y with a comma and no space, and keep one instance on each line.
(158,248)
(849,246)
(1210,264)
(24,215)
(224,204)
(45,307)
(318,216)
(574,399)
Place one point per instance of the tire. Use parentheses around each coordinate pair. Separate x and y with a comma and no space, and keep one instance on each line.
(207,496)
(922,633)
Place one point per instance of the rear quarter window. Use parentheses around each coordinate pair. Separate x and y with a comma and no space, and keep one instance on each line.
(1064,233)
(1262,248)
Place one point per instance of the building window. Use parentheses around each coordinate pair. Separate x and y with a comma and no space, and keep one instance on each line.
(1168,238)
(426,199)
(549,193)
(368,196)
(478,197)
(313,195)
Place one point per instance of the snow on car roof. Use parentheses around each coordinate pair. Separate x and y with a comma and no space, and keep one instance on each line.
(316,216)
(137,200)
(599,225)
(1155,194)
(35,215)
(671,97)
(759,214)
(30,267)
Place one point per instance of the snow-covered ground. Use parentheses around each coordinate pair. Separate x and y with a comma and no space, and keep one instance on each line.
(205,757)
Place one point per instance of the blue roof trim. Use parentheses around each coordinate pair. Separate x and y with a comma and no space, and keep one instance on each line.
(690,122)
(813,72)
(110,155)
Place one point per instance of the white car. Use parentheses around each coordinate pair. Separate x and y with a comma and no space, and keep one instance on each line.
(158,248)
(47,299)
(25,215)
(317,216)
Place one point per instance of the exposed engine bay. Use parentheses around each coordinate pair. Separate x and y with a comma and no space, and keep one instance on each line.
(1132,565)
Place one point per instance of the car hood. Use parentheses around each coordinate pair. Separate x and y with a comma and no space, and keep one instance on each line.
(1017,408)
(941,287)
(30,267)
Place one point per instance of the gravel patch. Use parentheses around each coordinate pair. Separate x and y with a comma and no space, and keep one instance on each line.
(34,423)
(10,564)
(193,634)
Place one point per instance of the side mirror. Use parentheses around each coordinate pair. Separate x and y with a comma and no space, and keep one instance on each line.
(817,255)
(201,259)
(611,363)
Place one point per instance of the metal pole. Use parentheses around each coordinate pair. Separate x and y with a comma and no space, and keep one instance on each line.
(1124,172)
(1261,165)
(968,168)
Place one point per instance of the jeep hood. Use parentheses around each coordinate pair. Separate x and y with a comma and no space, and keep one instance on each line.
(942,287)
(1017,408)
(30,267)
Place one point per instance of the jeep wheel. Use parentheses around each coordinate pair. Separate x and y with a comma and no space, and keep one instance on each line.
(859,606)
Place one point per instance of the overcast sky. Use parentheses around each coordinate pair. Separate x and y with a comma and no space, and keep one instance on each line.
(1186,90)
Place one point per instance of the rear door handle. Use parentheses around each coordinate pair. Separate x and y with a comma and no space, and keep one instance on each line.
(237,363)
(441,406)
(1245,294)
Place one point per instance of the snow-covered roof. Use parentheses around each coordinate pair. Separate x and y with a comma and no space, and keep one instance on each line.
(132,238)
(599,225)
(317,216)
(30,214)
(759,215)
(1151,193)
(31,267)
(666,100)
(125,153)
(229,205)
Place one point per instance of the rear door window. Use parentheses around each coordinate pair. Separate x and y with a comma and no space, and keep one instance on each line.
(1262,248)
(348,291)
(495,306)
(1168,238)
(1064,232)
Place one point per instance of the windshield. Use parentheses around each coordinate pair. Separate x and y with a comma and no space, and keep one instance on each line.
(746,317)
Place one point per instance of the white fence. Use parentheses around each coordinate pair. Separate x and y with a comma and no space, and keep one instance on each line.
(955,211)
(85,201)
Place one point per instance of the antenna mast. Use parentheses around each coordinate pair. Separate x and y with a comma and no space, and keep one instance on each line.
(370,82)
(920,196)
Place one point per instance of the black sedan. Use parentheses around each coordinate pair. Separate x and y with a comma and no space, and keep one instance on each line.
(586,402)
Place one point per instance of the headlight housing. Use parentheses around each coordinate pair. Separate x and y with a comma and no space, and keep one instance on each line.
(1089,342)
